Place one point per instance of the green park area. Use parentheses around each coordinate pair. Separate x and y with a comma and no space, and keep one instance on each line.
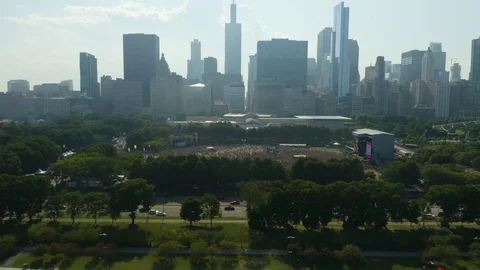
(96,205)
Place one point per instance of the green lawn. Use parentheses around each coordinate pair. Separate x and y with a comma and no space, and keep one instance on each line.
(127,262)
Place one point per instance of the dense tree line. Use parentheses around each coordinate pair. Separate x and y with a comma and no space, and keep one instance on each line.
(28,196)
(368,204)
(194,174)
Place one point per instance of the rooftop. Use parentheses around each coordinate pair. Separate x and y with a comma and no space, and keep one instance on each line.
(368,131)
(323,118)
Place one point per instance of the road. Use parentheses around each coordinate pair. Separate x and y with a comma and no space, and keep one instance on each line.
(173,210)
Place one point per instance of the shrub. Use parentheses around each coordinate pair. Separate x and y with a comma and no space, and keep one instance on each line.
(7,244)
(56,248)
(166,248)
(443,253)
(352,256)
(41,250)
(42,233)
(83,235)
(70,250)
(227,245)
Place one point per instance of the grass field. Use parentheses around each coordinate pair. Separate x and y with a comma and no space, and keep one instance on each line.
(127,262)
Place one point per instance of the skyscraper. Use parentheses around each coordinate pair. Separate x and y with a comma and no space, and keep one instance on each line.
(380,68)
(89,75)
(324,46)
(233,43)
(340,59)
(411,66)
(475,61)
(284,60)
(210,65)
(353,54)
(18,86)
(439,57)
(252,78)
(428,71)
(141,53)
(455,73)
(195,64)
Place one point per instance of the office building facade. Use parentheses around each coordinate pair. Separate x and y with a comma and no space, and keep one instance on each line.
(252,78)
(339,52)
(141,53)
(89,75)
(284,60)
(195,64)
(18,86)
(235,97)
(354,54)
(455,73)
(428,66)
(475,61)
(411,66)
(210,65)
(324,46)
(233,43)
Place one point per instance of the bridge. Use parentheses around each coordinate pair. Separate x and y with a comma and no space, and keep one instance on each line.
(447,126)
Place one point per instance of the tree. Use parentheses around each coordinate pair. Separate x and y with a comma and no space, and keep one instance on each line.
(199,250)
(75,204)
(131,194)
(35,194)
(210,207)
(448,198)
(405,172)
(352,256)
(7,245)
(424,208)
(96,202)
(191,210)
(442,253)
(53,206)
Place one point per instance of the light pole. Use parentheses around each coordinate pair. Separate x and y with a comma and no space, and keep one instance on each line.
(290,239)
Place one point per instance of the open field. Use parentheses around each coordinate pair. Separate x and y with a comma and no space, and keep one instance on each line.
(284,155)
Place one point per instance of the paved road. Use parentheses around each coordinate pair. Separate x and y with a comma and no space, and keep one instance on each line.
(278,252)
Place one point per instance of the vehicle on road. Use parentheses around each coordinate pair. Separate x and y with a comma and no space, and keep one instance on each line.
(234,203)
(161,214)
(229,208)
(152,212)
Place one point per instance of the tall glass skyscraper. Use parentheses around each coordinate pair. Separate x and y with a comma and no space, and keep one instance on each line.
(89,75)
(141,54)
(233,44)
(475,62)
(340,59)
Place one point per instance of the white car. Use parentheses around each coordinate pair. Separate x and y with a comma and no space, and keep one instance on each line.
(161,214)
(152,212)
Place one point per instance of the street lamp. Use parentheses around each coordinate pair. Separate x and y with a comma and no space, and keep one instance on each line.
(290,238)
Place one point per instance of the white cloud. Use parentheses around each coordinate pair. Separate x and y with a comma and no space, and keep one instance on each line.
(91,15)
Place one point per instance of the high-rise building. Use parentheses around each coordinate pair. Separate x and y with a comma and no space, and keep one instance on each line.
(380,68)
(268,97)
(324,46)
(252,78)
(353,54)
(395,72)
(141,53)
(428,71)
(210,65)
(455,73)
(88,75)
(340,60)
(18,86)
(68,84)
(311,72)
(195,64)
(370,73)
(411,66)
(198,99)
(441,95)
(166,99)
(439,56)
(284,60)
(475,61)
(233,43)
(235,97)
(122,97)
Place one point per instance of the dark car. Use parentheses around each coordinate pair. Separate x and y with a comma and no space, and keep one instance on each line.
(234,202)
(229,208)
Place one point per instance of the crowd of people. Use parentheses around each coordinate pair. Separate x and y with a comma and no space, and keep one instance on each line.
(283,154)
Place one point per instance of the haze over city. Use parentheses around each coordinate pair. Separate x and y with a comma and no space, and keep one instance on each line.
(41,39)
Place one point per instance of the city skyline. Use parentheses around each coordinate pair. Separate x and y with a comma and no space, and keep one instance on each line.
(76,24)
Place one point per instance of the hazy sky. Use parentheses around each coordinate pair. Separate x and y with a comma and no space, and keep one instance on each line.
(40,39)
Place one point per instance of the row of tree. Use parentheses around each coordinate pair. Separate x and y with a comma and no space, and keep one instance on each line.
(22,196)
(369,204)
(200,175)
